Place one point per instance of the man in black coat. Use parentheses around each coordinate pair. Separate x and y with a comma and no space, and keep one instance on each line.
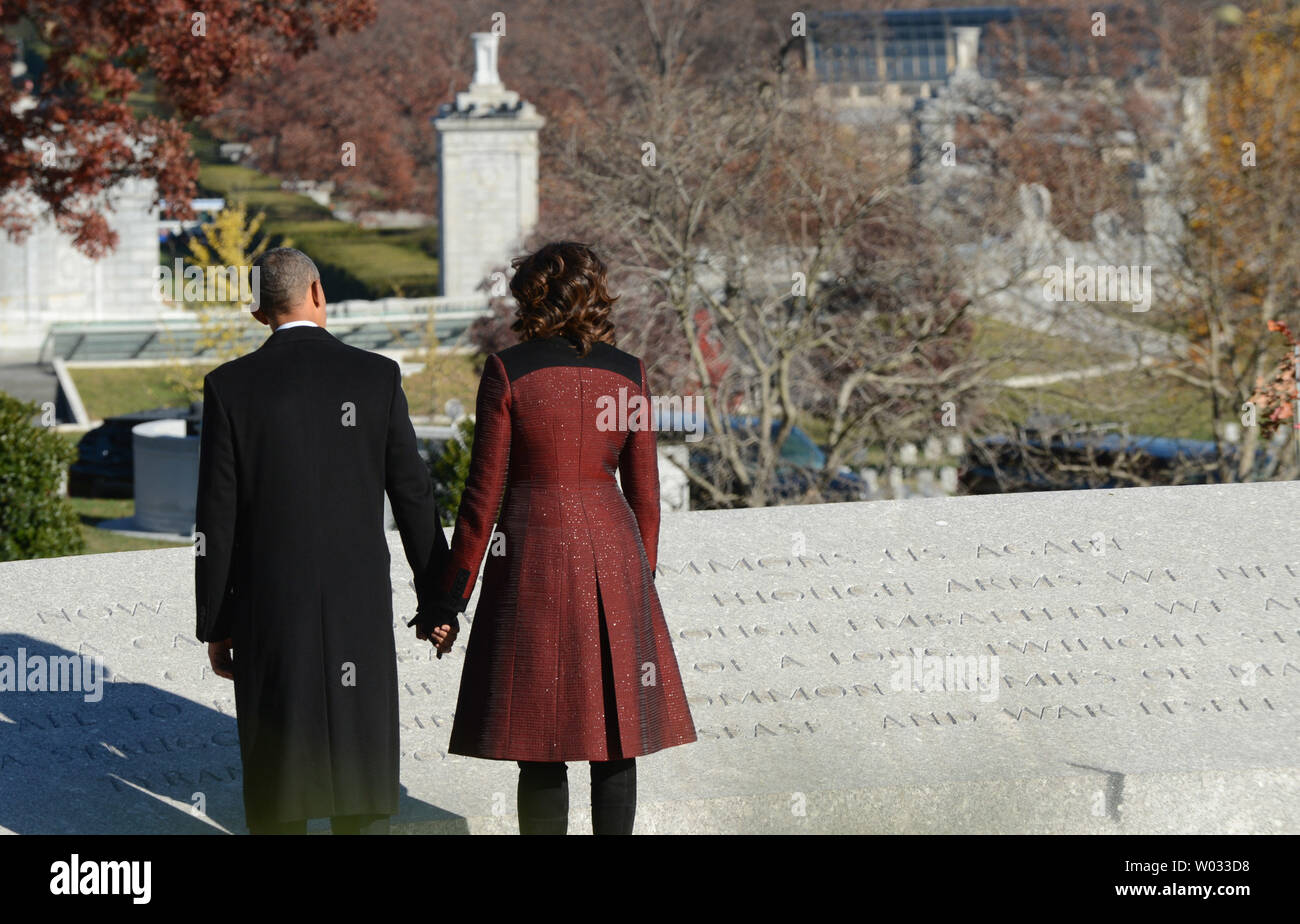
(301,438)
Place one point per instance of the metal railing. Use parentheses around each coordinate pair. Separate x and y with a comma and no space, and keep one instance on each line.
(382,324)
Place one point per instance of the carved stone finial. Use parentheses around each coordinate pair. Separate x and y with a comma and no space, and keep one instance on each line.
(967,41)
(485,60)
(487,96)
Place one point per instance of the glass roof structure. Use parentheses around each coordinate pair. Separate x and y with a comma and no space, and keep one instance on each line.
(180,338)
(899,46)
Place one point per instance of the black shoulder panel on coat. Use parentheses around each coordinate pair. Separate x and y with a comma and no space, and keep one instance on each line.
(531,355)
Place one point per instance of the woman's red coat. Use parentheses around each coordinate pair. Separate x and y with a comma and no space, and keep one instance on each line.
(569,548)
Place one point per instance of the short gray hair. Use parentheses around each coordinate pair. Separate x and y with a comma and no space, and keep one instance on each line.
(283,278)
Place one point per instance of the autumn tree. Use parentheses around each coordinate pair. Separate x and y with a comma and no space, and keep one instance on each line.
(69,130)
(222,254)
(385,83)
(770,261)
(1275,394)
(1135,131)
(1239,260)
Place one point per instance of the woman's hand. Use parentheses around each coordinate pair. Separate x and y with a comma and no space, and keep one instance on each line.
(443,638)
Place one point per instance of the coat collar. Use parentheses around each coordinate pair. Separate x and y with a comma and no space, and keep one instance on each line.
(294,334)
(561,340)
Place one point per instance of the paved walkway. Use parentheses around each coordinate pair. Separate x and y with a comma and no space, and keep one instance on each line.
(28,381)
(1070,375)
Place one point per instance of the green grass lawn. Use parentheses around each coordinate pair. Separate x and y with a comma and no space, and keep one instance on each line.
(107,392)
(392,262)
(1152,404)
(1149,402)
(117,390)
(450,375)
(95,510)
(354,262)
(261,193)
(1012,350)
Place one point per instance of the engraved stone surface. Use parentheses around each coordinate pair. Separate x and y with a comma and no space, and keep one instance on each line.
(1104,661)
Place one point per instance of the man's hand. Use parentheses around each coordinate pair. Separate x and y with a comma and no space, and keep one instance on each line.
(223,662)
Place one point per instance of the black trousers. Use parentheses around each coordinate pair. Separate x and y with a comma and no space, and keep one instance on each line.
(544,797)
(339,824)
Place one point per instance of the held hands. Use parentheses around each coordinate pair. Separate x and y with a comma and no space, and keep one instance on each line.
(442,632)
(443,637)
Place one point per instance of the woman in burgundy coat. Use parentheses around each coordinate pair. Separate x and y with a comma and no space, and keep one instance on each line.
(569,657)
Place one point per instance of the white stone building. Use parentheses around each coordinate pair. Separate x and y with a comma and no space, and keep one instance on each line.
(45,278)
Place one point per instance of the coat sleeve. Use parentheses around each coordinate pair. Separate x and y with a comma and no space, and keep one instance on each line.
(481,500)
(410,493)
(638,472)
(214,520)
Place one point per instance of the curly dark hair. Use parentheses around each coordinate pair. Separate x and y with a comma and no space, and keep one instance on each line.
(562,289)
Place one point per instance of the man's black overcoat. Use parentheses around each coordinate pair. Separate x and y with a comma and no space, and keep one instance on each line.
(300,440)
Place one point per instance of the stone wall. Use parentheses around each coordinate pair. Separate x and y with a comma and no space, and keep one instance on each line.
(1091,662)
(45,279)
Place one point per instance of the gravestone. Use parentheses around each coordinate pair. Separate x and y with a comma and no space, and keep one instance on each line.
(896,489)
(948,479)
(1101,661)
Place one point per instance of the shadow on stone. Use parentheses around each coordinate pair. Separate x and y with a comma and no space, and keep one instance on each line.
(106,755)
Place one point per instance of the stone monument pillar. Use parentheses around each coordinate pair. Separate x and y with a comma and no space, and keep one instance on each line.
(487,172)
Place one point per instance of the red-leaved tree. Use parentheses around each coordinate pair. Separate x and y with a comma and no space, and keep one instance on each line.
(68,133)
